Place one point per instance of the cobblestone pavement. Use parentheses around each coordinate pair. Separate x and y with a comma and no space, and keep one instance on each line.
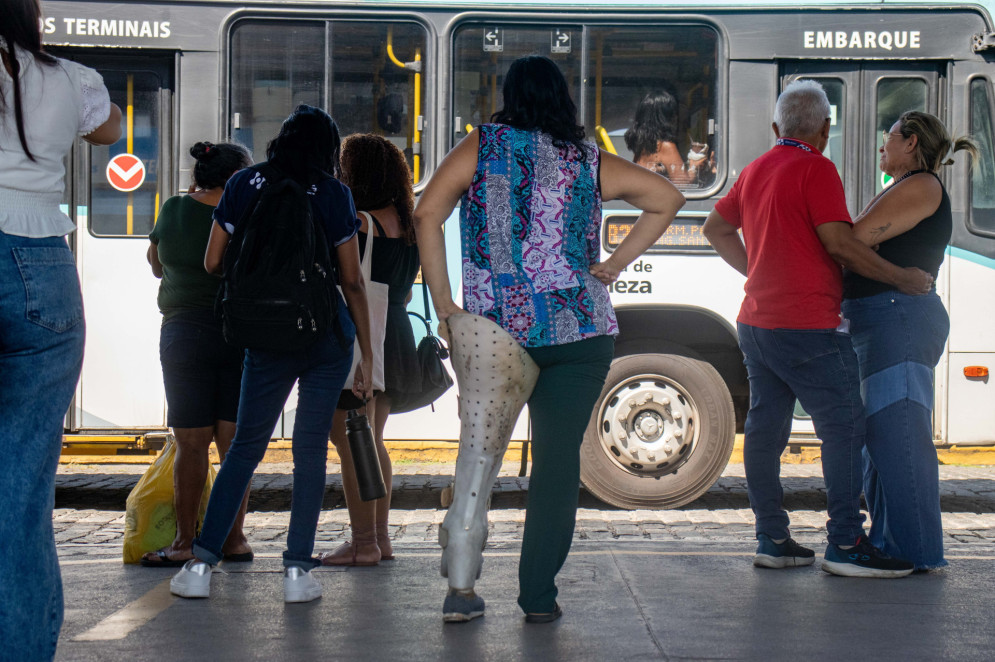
(721,515)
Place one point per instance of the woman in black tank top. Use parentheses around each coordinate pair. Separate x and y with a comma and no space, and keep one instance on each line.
(899,339)
(377,173)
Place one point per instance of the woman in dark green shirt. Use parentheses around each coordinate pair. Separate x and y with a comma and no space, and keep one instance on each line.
(201,372)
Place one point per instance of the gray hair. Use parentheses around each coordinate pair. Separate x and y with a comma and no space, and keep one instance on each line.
(801,109)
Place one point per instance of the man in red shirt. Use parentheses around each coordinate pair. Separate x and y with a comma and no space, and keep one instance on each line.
(791,208)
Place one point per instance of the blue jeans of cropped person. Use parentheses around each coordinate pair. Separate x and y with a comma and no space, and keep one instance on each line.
(267,379)
(819,368)
(41,355)
(899,339)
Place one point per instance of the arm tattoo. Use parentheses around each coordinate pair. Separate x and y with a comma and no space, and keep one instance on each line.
(880,230)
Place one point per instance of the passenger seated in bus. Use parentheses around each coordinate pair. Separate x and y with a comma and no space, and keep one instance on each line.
(307,151)
(46,103)
(652,139)
(791,208)
(548,335)
(202,373)
(910,222)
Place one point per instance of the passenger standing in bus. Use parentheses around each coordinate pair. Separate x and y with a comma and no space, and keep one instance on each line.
(201,372)
(797,231)
(375,171)
(899,339)
(45,103)
(530,190)
(307,149)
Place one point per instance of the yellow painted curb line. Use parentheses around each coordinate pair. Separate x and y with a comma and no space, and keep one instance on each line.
(444,452)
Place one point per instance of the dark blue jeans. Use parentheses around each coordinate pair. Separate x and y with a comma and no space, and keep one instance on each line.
(267,379)
(899,339)
(819,368)
(41,355)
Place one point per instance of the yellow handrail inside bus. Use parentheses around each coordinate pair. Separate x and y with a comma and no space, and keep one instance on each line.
(416,110)
(469,128)
(605,139)
(130,127)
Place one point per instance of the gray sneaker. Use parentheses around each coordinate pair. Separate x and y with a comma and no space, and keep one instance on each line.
(460,608)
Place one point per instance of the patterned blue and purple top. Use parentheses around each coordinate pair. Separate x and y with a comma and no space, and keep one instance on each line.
(530,226)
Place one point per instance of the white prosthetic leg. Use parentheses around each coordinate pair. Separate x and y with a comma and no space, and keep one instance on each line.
(495,377)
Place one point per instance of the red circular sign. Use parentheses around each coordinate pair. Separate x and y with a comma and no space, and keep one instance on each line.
(125,172)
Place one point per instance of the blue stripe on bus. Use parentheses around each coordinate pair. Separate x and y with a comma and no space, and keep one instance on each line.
(971,257)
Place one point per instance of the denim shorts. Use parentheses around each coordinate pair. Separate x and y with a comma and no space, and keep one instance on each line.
(201,372)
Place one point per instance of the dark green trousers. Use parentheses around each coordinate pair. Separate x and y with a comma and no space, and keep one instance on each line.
(571,377)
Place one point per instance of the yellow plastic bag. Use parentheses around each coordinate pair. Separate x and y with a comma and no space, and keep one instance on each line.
(150,519)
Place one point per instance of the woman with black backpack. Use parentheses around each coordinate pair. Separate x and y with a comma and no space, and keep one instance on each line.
(289,336)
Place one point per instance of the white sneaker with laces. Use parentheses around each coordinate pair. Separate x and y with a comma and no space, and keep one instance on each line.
(300,585)
(192,581)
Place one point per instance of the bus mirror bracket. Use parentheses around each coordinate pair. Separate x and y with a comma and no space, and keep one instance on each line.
(984,41)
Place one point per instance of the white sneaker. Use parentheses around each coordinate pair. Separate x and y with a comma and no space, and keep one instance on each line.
(192,581)
(300,585)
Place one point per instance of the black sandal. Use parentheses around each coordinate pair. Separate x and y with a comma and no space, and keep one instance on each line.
(241,557)
(163,560)
(545,618)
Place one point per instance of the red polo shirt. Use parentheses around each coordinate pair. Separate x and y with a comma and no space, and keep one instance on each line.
(778,201)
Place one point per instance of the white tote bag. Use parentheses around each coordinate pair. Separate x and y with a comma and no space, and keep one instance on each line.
(376,301)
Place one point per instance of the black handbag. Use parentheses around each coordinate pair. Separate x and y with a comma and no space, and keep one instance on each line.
(433,377)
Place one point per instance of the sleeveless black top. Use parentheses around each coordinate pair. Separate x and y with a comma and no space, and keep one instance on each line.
(923,246)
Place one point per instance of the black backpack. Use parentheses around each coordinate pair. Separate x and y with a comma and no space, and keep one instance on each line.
(278,285)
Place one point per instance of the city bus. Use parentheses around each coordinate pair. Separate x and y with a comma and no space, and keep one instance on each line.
(425,73)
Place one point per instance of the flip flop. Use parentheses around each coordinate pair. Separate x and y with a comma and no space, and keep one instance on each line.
(163,562)
(242,557)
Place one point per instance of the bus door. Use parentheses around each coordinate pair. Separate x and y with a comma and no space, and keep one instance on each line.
(966,415)
(865,98)
(114,193)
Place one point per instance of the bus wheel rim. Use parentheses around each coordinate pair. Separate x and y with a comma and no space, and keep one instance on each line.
(648,425)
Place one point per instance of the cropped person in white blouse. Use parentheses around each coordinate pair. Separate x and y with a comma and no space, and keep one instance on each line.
(45,103)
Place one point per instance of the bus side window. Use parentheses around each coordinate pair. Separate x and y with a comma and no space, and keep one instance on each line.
(982,219)
(371,82)
(650,97)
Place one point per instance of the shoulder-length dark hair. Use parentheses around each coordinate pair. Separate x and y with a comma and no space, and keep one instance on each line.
(308,142)
(376,172)
(656,120)
(19,29)
(536,96)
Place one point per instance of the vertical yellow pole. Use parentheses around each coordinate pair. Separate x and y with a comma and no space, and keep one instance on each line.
(598,71)
(130,127)
(417,134)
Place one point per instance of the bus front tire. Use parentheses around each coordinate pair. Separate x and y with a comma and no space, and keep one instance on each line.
(661,434)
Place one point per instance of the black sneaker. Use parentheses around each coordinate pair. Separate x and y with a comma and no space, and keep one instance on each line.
(864,560)
(460,607)
(786,554)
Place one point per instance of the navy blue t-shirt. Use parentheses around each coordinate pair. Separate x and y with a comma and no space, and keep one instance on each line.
(331,205)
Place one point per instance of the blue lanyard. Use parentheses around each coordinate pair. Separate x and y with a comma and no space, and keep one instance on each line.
(791,142)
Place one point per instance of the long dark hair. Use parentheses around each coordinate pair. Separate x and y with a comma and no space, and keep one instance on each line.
(536,96)
(19,29)
(375,171)
(656,119)
(308,142)
(217,163)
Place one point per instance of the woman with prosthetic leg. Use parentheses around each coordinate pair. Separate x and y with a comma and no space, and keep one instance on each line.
(538,326)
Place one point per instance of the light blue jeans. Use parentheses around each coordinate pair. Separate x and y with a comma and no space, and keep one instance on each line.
(818,367)
(41,355)
(899,339)
(267,378)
